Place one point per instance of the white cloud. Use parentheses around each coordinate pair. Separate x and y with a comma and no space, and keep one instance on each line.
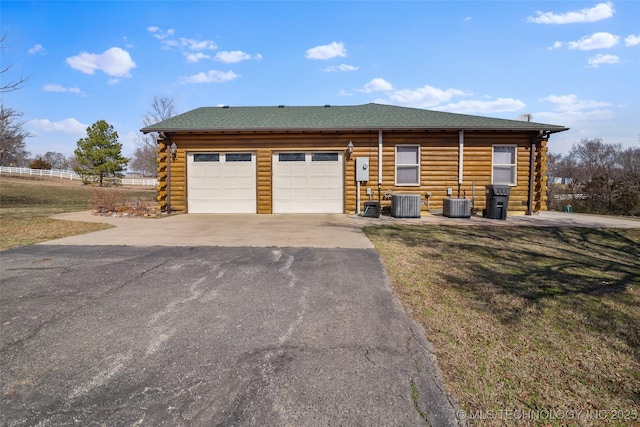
(235,56)
(596,13)
(377,85)
(600,59)
(571,103)
(191,48)
(61,89)
(189,44)
(114,62)
(196,57)
(586,118)
(193,44)
(327,51)
(212,76)
(69,126)
(340,68)
(436,98)
(556,45)
(113,82)
(129,141)
(500,105)
(468,18)
(632,40)
(159,33)
(595,41)
(424,97)
(38,48)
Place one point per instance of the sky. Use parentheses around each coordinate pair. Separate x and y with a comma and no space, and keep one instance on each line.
(569,63)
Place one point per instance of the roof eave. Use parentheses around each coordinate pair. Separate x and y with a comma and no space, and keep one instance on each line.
(546,129)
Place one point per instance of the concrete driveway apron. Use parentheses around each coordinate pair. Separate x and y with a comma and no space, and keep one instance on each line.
(196,334)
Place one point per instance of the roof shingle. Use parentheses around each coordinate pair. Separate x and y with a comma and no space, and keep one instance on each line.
(346,117)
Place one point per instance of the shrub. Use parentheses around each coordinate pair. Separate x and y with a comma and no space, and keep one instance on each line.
(104,201)
(40,163)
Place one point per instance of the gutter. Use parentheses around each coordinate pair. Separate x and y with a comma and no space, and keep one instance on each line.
(356,129)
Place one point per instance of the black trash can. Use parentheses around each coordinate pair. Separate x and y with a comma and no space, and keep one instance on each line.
(497,201)
(371,210)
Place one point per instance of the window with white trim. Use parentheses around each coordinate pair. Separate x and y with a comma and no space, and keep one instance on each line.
(324,157)
(206,157)
(291,157)
(503,165)
(237,157)
(407,165)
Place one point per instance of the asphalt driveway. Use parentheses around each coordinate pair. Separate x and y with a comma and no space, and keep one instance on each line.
(201,320)
(204,336)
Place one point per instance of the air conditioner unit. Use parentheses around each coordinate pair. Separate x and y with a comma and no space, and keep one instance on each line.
(405,205)
(456,208)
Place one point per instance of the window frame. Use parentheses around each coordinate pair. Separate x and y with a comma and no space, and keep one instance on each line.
(239,157)
(294,157)
(513,165)
(407,165)
(206,157)
(322,156)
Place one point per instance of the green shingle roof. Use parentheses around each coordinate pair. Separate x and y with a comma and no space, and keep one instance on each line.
(346,117)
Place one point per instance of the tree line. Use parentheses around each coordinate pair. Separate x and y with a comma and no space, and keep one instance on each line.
(97,157)
(595,177)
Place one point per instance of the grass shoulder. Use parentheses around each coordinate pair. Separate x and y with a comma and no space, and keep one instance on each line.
(26,204)
(524,318)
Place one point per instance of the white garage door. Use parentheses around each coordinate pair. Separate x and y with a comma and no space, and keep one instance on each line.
(221,182)
(310,182)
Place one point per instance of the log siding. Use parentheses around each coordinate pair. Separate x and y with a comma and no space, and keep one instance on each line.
(439,163)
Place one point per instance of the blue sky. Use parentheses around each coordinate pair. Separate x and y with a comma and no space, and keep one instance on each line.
(571,63)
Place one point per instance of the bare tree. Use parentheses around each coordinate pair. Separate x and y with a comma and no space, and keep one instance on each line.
(628,186)
(599,170)
(12,138)
(56,160)
(601,178)
(11,85)
(145,155)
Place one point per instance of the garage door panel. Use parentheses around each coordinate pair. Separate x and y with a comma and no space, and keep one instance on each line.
(221,186)
(308,186)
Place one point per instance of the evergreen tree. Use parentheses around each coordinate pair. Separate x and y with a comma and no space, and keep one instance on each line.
(99,155)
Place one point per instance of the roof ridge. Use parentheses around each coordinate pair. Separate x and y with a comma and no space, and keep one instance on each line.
(370,116)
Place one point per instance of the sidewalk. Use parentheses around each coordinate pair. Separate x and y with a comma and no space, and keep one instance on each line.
(542,219)
(291,230)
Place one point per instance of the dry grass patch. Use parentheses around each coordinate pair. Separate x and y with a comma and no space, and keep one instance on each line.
(16,232)
(525,319)
(27,202)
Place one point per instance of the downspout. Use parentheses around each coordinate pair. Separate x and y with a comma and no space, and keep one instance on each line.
(460,159)
(168,144)
(379,165)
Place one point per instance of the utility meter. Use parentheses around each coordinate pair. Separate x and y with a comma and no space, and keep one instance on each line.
(362,169)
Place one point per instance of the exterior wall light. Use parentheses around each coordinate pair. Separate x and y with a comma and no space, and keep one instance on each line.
(174,150)
(349,150)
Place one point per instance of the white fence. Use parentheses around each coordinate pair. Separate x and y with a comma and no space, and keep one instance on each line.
(71,175)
